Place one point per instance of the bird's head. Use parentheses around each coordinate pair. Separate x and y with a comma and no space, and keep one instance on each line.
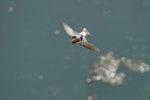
(75,40)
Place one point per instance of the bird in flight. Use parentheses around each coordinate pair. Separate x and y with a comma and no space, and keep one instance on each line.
(79,37)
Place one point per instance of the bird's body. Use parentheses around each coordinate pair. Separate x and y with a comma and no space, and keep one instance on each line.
(79,37)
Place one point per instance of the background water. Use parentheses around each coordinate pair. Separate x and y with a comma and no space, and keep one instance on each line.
(38,61)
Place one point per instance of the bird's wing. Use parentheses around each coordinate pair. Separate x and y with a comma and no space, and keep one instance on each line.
(68,30)
(88,45)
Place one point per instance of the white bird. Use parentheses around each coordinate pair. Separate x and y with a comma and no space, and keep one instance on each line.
(79,37)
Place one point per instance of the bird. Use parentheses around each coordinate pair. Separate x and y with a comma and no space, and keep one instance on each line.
(79,37)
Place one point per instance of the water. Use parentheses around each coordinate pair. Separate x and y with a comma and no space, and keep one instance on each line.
(38,61)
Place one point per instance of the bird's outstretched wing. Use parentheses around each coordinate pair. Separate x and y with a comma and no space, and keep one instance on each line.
(68,30)
(88,45)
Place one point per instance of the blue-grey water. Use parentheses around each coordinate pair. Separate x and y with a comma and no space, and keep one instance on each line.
(38,61)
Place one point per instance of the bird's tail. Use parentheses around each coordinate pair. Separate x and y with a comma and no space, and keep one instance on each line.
(86,31)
